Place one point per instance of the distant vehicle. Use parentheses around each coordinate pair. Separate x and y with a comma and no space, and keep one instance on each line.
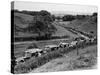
(51,47)
(73,43)
(63,45)
(20,60)
(33,52)
(95,39)
(79,38)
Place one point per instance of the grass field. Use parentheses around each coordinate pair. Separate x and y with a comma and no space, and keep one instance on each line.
(71,61)
(61,31)
(86,25)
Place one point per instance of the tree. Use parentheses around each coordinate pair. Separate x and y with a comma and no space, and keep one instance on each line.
(44,13)
(68,18)
(53,17)
(48,18)
(33,45)
(42,24)
(95,14)
(80,16)
(94,17)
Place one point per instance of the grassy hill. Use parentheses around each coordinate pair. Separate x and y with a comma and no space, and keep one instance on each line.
(87,24)
(21,22)
(61,31)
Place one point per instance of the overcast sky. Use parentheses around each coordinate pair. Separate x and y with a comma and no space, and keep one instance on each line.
(62,8)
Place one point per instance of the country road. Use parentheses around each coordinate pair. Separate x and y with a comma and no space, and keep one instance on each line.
(62,31)
(63,63)
(48,37)
(79,33)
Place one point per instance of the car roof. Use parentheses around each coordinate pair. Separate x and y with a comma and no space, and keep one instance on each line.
(20,58)
(51,46)
(33,50)
(63,43)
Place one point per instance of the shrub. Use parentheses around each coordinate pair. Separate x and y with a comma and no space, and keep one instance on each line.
(36,62)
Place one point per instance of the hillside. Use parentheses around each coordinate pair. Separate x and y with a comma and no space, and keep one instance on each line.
(22,20)
(87,25)
(61,31)
(21,23)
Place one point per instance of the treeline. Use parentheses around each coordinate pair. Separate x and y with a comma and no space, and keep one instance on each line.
(73,17)
(35,13)
(63,18)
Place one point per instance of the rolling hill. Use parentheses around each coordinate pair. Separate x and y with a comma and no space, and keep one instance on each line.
(61,31)
(21,22)
(87,25)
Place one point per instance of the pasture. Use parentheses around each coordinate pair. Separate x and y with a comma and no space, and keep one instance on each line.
(85,25)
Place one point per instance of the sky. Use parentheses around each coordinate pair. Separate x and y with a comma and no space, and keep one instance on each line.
(54,8)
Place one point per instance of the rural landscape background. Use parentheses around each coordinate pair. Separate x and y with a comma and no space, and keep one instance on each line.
(35,29)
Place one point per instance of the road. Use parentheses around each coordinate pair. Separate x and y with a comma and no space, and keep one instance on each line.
(62,64)
(76,32)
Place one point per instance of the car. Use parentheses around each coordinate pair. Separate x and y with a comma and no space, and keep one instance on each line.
(32,52)
(73,43)
(51,47)
(63,44)
(20,60)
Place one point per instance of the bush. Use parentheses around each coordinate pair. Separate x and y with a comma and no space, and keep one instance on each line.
(36,62)
(68,18)
(21,68)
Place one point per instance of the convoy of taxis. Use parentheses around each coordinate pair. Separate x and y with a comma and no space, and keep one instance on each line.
(37,52)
